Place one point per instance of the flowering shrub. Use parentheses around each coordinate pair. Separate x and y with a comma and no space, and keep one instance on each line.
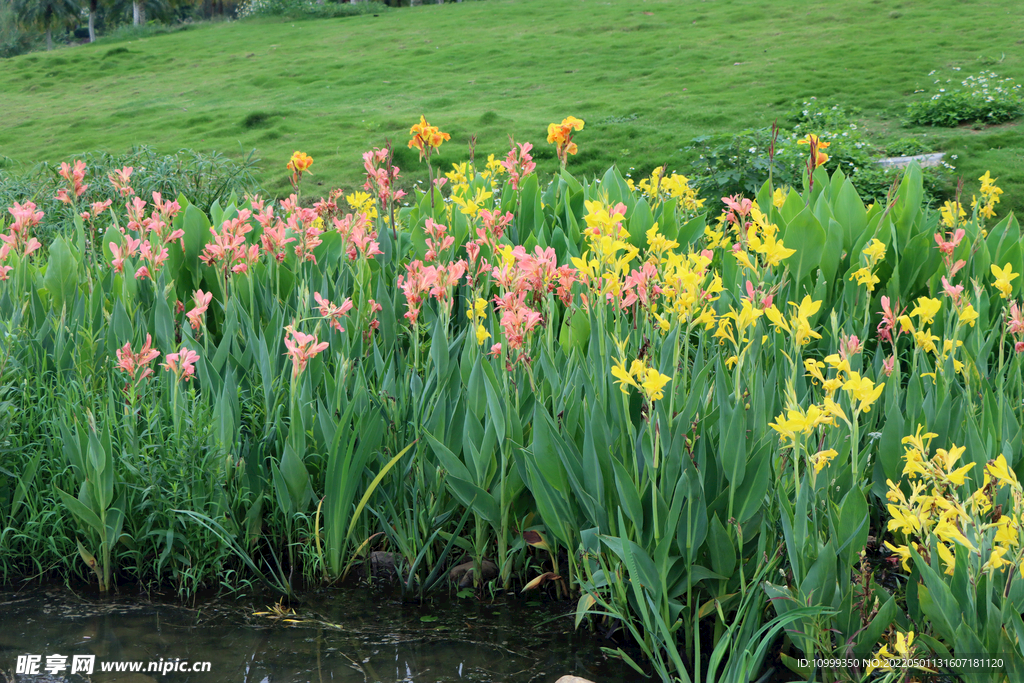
(984,98)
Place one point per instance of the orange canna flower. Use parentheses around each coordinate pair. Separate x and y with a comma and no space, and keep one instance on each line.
(426,138)
(560,135)
(300,162)
(818,158)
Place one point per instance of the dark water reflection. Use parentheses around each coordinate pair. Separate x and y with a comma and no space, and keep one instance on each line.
(342,636)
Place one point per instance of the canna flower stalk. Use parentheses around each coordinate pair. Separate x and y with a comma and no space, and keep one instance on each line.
(427,139)
(299,164)
(561,134)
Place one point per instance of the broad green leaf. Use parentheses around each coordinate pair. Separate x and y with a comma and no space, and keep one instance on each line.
(806,235)
(61,274)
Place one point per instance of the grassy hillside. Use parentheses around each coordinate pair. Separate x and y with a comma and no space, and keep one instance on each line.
(646,76)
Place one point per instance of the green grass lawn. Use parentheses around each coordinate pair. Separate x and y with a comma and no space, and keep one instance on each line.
(645,75)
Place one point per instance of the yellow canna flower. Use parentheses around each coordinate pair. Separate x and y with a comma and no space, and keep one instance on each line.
(903,520)
(865,277)
(744,260)
(926,310)
(1004,276)
(774,251)
(625,379)
(779,197)
(706,318)
(477,309)
(949,533)
(775,316)
(903,552)
(864,390)
(481,335)
(926,340)
(875,251)
(1002,473)
(903,643)
(1006,531)
(654,384)
(968,315)
(947,557)
(823,458)
(995,560)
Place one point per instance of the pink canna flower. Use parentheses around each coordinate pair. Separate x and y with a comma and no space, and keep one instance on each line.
(641,284)
(202,302)
(244,258)
(539,270)
(566,276)
(167,209)
(291,204)
(495,224)
(331,312)
(5,272)
(381,176)
(119,255)
(417,281)
(136,214)
(757,300)
(517,319)
(888,365)
(947,246)
(99,207)
(849,345)
(255,202)
(519,163)
(1019,347)
(120,179)
(301,348)
(265,217)
(890,316)
(182,364)
(953,292)
(739,207)
(438,240)
(25,216)
(74,176)
(132,363)
(143,273)
(375,308)
(1016,322)
(18,240)
(495,351)
(274,239)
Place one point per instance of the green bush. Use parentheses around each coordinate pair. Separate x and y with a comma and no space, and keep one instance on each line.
(985,98)
(201,176)
(728,164)
(306,8)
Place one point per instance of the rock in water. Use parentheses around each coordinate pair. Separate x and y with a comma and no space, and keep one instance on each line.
(464,573)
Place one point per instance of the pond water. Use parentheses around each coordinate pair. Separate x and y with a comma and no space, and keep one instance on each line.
(342,635)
